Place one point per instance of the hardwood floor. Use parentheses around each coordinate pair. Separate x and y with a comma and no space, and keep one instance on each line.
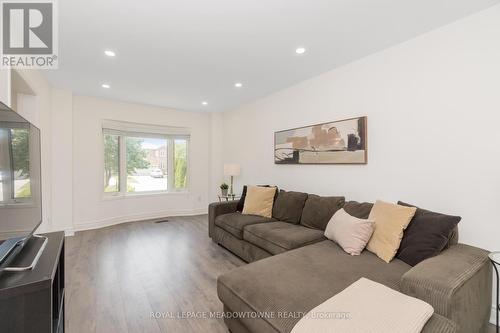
(117,276)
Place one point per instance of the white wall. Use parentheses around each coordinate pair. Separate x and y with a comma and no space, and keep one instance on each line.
(62,164)
(5,89)
(433,107)
(90,208)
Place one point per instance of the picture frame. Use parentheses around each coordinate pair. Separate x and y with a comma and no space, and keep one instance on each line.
(337,142)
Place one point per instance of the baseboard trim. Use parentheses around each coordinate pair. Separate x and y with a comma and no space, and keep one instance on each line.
(97,224)
(69,232)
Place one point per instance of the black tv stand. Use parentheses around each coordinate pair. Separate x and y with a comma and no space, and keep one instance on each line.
(33,300)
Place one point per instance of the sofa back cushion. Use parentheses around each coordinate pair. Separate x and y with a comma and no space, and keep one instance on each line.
(288,206)
(241,202)
(390,222)
(361,210)
(427,235)
(319,210)
(259,201)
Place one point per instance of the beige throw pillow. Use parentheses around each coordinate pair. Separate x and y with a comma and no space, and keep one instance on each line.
(390,222)
(349,232)
(259,201)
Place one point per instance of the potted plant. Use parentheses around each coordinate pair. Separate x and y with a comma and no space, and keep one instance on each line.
(223,189)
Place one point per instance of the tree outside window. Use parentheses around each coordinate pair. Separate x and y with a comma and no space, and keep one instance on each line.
(180,157)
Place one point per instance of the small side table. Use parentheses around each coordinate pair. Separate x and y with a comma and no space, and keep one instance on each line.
(228,197)
(495,260)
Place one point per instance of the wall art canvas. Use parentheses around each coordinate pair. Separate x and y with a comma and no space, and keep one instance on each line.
(338,142)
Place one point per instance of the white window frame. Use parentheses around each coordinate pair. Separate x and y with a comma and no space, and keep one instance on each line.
(8,183)
(124,130)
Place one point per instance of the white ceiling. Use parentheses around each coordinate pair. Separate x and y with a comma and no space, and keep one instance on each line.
(179,53)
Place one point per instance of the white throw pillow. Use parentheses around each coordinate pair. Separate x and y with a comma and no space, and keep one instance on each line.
(351,233)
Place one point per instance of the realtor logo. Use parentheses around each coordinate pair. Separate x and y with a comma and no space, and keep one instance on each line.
(29,35)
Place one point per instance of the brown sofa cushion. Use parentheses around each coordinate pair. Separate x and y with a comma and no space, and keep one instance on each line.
(299,280)
(288,206)
(318,210)
(278,237)
(235,222)
(426,236)
(361,210)
(243,249)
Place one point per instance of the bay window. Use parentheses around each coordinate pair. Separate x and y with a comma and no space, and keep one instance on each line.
(141,159)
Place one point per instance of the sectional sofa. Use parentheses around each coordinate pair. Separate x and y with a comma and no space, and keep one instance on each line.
(293,268)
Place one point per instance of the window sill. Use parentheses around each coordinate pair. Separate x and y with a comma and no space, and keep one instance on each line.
(107,197)
(23,205)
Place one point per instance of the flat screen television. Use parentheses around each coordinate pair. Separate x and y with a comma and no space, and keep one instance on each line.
(20,183)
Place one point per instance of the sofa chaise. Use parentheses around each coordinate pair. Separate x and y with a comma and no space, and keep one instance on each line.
(293,268)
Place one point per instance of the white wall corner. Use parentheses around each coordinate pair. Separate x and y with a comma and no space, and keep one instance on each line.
(216,154)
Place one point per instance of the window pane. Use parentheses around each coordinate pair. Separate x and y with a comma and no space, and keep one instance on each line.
(111,163)
(146,164)
(180,166)
(1,188)
(5,163)
(20,162)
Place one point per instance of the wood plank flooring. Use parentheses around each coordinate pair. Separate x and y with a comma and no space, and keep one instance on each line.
(117,276)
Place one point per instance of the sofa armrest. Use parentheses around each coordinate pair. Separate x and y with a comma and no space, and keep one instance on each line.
(219,208)
(457,283)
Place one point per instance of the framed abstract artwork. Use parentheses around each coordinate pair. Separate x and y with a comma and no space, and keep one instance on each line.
(337,142)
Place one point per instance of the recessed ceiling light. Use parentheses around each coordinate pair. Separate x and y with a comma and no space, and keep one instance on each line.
(110,53)
(300,50)
(105,86)
(238,84)
(204,103)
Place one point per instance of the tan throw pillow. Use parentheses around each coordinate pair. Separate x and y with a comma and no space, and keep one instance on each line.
(349,232)
(259,201)
(390,222)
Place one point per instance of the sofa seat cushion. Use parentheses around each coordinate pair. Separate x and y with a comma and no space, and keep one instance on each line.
(299,280)
(235,222)
(278,237)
